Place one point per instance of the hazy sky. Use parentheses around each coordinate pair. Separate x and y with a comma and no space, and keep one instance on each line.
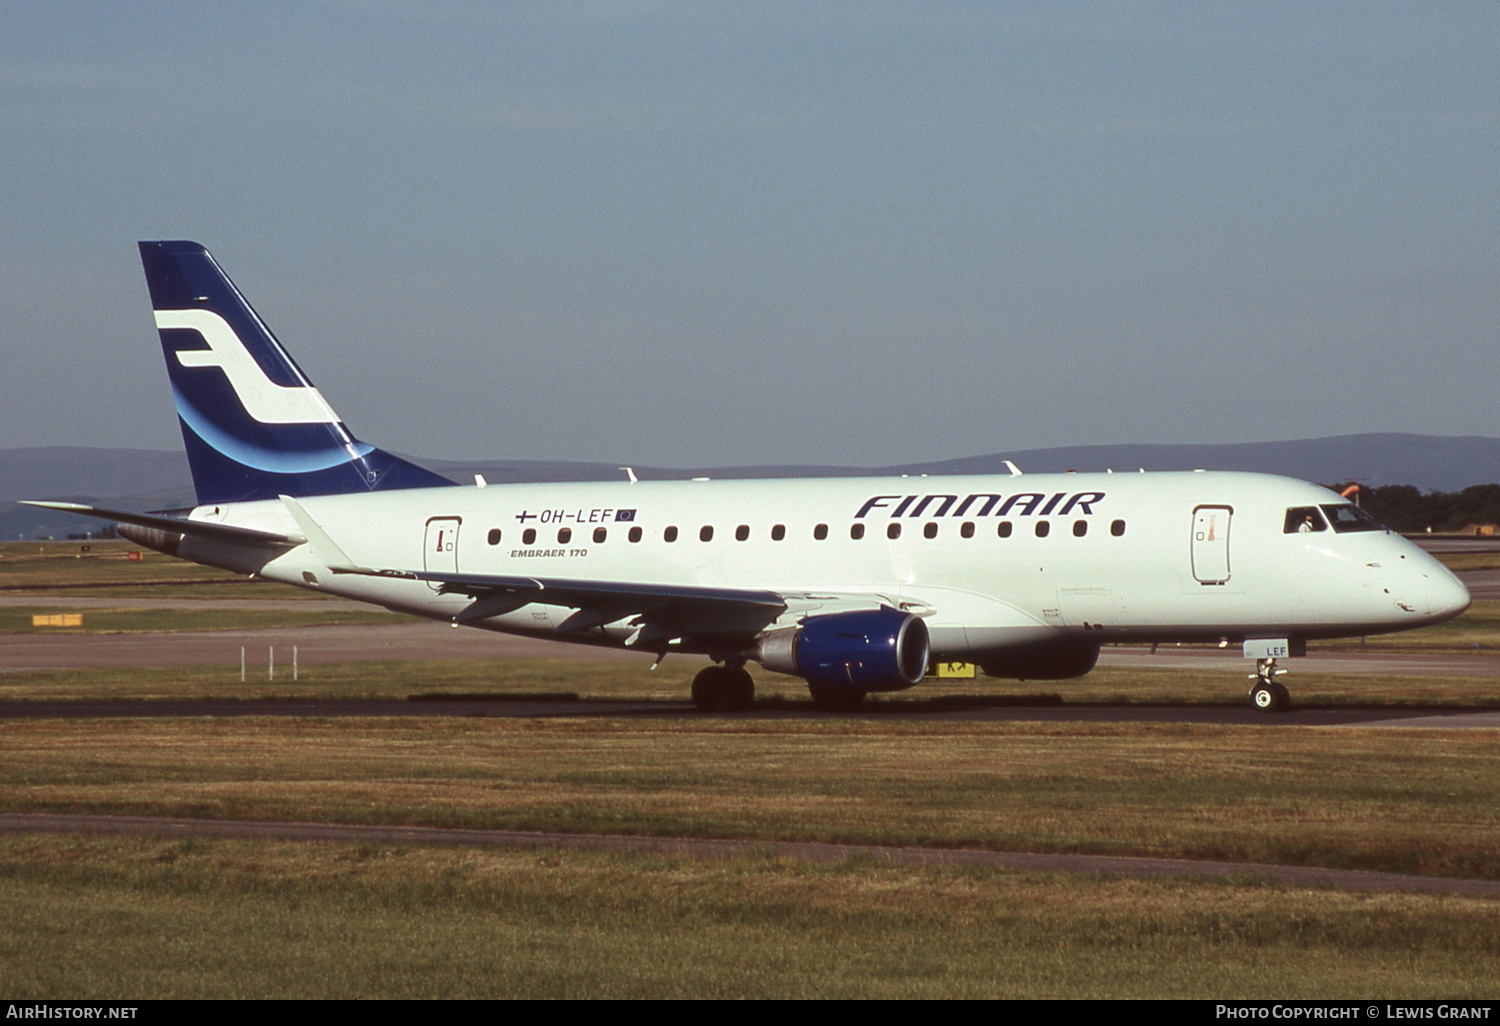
(686,233)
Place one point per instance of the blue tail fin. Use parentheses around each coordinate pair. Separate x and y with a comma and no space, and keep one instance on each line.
(254,426)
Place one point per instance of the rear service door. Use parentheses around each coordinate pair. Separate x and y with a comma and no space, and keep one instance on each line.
(440,553)
(1211,544)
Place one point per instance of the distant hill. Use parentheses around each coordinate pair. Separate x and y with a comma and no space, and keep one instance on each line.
(148,479)
(123,478)
(1430,463)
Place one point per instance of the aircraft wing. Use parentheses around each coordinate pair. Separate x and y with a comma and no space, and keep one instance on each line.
(658,611)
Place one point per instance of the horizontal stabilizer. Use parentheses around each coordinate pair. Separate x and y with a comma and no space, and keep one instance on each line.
(180,525)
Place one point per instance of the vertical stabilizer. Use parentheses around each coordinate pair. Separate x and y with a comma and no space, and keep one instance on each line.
(254,426)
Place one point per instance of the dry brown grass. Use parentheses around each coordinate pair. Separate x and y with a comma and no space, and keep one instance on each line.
(1403,800)
(198,919)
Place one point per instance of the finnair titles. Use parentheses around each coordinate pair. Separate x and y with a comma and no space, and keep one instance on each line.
(854,585)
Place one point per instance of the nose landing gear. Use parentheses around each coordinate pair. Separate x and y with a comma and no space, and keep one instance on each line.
(1268,694)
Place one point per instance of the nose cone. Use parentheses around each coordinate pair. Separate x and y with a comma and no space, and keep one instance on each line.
(1446,594)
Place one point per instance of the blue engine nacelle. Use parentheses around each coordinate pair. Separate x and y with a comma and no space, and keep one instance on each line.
(857,652)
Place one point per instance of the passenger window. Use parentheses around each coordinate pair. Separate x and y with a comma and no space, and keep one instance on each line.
(856,531)
(670,534)
(741,533)
(528,536)
(1117,528)
(893,531)
(600,533)
(930,530)
(820,532)
(778,532)
(564,535)
(967,530)
(706,533)
(635,534)
(1303,520)
(1043,528)
(1004,530)
(494,537)
(1080,528)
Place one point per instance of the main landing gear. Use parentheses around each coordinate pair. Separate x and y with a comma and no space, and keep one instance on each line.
(727,688)
(835,699)
(1268,694)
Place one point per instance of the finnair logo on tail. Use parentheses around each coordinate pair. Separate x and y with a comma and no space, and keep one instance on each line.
(263,399)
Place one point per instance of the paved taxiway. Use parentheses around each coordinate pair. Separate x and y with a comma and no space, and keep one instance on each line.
(942,709)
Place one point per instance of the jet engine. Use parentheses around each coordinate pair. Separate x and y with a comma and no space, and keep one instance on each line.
(1057,659)
(852,653)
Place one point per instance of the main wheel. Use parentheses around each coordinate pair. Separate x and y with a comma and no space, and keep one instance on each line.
(741,689)
(723,689)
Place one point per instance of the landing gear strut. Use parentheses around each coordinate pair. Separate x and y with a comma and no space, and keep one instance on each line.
(723,689)
(1267,694)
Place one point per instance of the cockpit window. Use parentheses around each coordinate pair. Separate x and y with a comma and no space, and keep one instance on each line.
(1303,519)
(1346,518)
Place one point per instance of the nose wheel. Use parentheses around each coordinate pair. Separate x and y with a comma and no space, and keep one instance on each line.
(1267,693)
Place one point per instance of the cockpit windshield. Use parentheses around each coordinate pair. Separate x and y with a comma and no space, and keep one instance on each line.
(1304,519)
(1347,518)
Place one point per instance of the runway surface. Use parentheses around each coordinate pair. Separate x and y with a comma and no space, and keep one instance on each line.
(969,710)
(1106,865)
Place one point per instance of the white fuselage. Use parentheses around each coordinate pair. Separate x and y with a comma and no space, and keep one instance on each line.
(1143,557)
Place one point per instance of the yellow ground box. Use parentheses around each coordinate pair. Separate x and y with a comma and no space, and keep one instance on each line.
(954,671)
(57,620)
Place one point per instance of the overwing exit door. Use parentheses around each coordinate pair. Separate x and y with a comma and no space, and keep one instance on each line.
(1211,544)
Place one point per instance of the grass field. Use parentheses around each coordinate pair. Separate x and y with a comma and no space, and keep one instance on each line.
(109,917)
(195,919)
(1418,801)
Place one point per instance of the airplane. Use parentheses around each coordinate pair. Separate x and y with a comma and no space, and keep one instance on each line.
(855,585)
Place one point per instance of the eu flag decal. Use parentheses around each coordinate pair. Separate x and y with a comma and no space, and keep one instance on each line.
(624,514)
